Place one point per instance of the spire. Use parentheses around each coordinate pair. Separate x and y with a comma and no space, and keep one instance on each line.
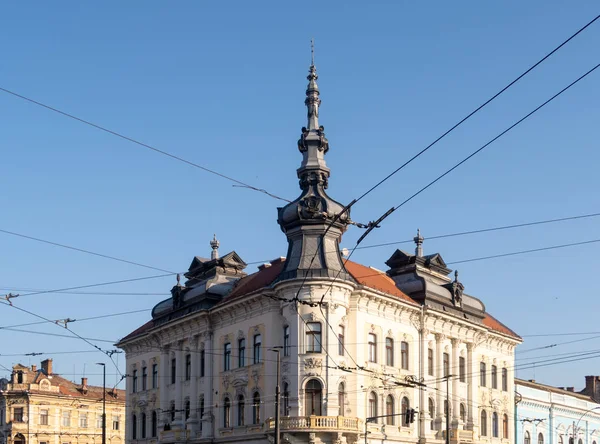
(310,221)
(419,243)
(214,244)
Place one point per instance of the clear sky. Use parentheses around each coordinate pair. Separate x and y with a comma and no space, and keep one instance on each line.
(222,84)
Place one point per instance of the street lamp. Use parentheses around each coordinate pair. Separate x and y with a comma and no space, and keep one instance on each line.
(277,349)
(448,408)
(103,401)
(575,426)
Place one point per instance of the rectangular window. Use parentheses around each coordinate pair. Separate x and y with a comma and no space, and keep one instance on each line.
(482,371)
(201,411)
(430,362)
(372,347)
(83,420)
(66,418)
(341,340)
(313,337)
(144,378)
(115,422)
(461,369)
(154,376)
(134,387)
(173,370)
(389,352)
(257,345)
(227,357)
(188,367)
(404,355)
(504,379)
(99,421)
(18,414)
(44,417)
(202,363)
(241,352)
(446,358)
(494,377)
(286,341)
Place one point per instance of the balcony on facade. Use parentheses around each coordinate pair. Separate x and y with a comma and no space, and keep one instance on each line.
(339,424)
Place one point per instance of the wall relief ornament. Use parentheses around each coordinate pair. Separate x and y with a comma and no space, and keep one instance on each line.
(312,366)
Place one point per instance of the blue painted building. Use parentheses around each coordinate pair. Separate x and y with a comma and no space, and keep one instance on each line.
(552,415)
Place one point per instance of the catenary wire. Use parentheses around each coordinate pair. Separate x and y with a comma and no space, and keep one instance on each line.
(478,108)
(81,250)
(145,145)
(111,315)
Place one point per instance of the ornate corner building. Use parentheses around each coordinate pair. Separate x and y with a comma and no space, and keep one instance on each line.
(38,406)
(358,347)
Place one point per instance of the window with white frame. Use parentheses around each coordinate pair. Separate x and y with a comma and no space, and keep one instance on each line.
(372,347)
(313,337)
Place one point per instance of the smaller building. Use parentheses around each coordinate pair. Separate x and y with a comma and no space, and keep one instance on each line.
(554,415)
(40,407)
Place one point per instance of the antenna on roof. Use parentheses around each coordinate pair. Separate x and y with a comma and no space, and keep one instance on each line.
(312,51)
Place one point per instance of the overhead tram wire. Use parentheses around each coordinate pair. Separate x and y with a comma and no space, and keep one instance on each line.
(480,107)
(145,145)
(57,335)
(81,250)
(111,315)
(474,153)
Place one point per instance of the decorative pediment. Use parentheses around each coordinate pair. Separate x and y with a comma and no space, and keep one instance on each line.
(399,258)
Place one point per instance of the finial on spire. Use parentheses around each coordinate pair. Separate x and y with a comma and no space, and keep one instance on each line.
(455,275)
(419,243)
(178,279)
(312,101)
(214,244)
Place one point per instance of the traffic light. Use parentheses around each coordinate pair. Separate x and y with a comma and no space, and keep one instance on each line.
(407,416)
(412,415)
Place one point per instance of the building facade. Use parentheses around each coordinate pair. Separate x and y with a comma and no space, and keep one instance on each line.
(551,415)
(40,407)
(358,347)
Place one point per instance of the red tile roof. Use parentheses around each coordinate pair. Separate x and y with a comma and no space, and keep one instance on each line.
(375,279)
(494,324)
(366,276)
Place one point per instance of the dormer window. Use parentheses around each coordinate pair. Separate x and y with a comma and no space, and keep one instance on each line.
(20,378)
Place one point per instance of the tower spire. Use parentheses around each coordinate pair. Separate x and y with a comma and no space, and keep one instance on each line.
(310,222)
(418,239)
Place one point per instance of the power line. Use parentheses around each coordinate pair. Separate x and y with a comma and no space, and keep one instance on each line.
(474,153)
(96,293)
(145,145)
(81,250)
(58,335)
(515,253)
(112,315)
(485,230)
(478,108)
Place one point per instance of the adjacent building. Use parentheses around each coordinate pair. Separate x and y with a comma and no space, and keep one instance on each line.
(40,407)
(551,415)
(358,347)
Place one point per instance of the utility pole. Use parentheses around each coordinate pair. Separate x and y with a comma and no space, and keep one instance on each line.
(277,392)
(448,408)
(103,401)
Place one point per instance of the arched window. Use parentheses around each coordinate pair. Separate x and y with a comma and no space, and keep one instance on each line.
(133,426)
(431,413)
(505,427)
(483,425)
(341,399)
(561,440)
(389,410)
(143,426)
(313,396)
(256,408)
(240,411)
(286,399)
(226,413)
(154,427)
(527,438)
(463,413)
(540,438)
(495,425)
(405,407)
(373,406)
(580,441)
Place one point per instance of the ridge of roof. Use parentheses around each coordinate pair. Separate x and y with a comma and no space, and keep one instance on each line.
(551,388)
(376,279)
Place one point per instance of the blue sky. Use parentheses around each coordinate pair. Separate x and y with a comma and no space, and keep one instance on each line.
(223,85)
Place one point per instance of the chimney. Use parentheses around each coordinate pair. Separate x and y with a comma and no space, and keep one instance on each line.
(33,368)
(592,387)
(47,366)
(84,384)
(570,389)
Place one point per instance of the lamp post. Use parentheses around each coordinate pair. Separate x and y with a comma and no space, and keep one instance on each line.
(103,401)
(277,350)
(575,426)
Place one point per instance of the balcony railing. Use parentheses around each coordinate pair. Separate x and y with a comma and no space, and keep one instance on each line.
(308,423)
(458,436)
(174,435)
